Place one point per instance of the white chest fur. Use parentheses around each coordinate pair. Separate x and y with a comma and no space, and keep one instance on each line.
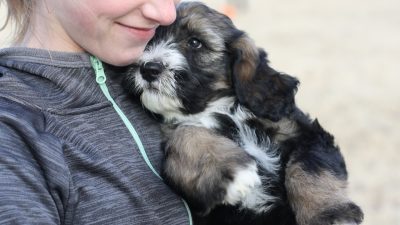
(247,188)
(264,153)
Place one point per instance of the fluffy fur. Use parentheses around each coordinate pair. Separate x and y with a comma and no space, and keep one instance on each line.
(237,147)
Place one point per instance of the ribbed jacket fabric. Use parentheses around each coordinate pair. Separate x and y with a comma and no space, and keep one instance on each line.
(65,155)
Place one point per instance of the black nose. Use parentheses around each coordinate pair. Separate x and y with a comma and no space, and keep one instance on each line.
(151,70)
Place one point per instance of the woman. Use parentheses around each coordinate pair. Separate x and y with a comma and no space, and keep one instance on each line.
(66,156)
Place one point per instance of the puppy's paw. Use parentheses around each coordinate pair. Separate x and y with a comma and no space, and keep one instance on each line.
(244,182)
(341,214)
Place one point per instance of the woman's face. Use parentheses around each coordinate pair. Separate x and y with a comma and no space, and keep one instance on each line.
(116,31)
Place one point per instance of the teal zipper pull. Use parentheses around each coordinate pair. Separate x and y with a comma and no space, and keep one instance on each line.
(99,70)
(101,80)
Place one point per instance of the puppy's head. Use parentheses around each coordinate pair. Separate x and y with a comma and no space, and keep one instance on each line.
(203,56)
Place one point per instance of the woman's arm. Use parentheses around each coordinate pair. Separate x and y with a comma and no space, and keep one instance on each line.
(31,177)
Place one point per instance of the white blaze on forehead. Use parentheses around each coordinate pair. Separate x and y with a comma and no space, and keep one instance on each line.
(165,51)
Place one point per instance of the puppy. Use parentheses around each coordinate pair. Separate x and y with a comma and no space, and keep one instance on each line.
(237,147)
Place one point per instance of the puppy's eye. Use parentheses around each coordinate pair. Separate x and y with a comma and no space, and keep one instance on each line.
(194,43)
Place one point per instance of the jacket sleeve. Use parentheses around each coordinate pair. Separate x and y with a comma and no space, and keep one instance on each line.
(33,181)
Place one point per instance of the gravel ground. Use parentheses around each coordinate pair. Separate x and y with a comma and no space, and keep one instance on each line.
(345,54)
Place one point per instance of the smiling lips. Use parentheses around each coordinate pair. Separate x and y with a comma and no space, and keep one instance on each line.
(139,32)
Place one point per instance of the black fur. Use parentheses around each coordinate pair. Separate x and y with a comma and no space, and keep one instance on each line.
(227,65)
(269,94)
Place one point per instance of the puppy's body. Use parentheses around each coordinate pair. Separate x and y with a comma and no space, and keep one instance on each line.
(224,118)
(237,148)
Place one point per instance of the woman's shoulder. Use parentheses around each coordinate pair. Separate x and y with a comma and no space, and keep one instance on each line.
(17,90)
(49,80)
(20,115)
(15,55)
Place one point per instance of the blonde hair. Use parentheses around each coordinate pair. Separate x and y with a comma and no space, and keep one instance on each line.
(18,15)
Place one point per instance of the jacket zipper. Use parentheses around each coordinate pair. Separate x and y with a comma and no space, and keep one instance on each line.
(101,80)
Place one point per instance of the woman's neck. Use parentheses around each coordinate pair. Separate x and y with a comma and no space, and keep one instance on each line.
(45,32)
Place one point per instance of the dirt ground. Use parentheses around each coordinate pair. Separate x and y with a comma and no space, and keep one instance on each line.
(346,55)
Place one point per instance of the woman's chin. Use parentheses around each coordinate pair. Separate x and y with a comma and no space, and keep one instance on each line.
(122,57)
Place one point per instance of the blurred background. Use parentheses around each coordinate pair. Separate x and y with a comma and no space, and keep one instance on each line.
(346,55)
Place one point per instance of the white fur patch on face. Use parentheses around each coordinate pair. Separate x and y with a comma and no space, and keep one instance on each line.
(247,191)
(165,51)
(159,96)
(160,104)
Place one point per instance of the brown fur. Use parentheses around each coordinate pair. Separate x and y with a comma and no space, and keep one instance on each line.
(309,194)
(266,92)
(246,69)
(198,160)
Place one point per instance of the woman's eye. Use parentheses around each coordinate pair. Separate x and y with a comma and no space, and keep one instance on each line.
(195,43)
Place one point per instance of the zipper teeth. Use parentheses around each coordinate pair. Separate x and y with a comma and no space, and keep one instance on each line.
(101,80)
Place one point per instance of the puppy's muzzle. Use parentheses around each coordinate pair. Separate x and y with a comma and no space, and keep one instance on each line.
(151,70)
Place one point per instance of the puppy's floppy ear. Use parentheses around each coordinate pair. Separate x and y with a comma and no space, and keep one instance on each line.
(266,92)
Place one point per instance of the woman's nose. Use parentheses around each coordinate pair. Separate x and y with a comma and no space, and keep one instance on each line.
(161,11)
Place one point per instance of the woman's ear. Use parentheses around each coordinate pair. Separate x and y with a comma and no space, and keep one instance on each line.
(266,92)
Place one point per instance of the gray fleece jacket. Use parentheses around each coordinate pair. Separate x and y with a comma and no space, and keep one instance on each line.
(65,155)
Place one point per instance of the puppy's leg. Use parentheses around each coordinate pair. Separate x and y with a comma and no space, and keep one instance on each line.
(319,199)
(316,181)
(207,169)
